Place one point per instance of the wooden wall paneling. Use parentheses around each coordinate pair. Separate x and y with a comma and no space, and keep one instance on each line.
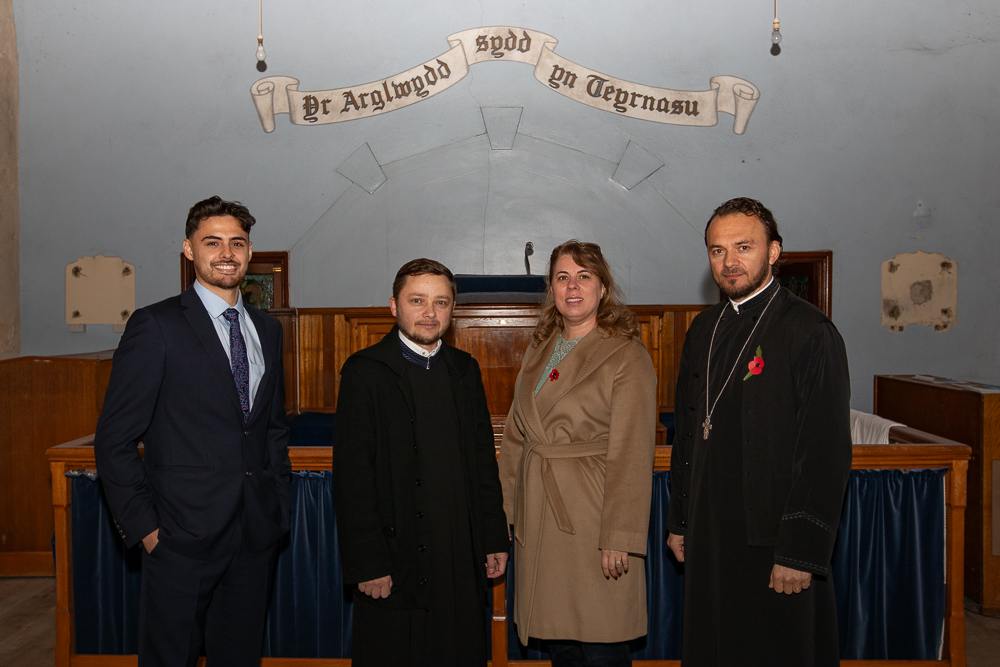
(318,373)
(12,430)
(496,334)
(342,335)
(310,362)
(45,401)
(681,317)
(290,340)
(682,321)
(497,337)
(364,328)
(650,321)
(666,371)
(329,368)
(368,328)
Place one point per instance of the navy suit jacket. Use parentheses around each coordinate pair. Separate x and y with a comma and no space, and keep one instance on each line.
(172,388)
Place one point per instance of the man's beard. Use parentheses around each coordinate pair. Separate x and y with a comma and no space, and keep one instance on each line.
(419,337)
(754,283)
(225,281)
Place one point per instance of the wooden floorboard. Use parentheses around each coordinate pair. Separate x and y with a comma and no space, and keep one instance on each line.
(27,621)
(27,629)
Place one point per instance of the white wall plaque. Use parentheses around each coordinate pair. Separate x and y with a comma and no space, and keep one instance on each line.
(919,288)
(99,290)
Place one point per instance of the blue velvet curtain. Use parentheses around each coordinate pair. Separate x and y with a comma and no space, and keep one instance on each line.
(888,565)
(888,570)
(106,575)
(310,612)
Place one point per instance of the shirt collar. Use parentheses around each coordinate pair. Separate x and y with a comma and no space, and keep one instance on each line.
(745,301)
(417,349)
(215,304)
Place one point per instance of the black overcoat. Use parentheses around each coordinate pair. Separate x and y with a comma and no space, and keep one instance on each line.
(375,463)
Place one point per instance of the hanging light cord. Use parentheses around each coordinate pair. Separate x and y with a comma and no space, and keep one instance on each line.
(776,35)
(261,55)
(260,19)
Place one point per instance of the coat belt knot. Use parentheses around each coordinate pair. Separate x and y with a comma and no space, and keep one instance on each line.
(546,451)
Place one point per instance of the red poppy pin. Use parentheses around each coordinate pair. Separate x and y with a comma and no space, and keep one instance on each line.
(756,366)
(554,375)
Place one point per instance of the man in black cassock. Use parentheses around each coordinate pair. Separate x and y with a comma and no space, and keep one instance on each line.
(416,486)
(760,460)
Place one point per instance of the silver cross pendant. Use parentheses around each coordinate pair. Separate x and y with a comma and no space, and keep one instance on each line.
(707,425)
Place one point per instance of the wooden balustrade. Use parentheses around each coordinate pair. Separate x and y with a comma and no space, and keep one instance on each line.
(938,453)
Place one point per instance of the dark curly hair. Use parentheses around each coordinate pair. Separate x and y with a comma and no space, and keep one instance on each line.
(750,207)
(216,207)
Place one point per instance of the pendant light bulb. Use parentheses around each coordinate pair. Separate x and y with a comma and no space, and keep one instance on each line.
(776,35)
(261,55)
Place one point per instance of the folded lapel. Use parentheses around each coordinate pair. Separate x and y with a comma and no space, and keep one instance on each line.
(201,323)
(587,356)
(535,360)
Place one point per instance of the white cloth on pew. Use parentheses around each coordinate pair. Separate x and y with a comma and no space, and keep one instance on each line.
(869,429)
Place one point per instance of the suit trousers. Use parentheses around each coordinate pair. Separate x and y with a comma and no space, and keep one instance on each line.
(587,654)
(217,606)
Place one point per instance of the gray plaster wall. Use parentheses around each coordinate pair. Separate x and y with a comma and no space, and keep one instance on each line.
(876,134)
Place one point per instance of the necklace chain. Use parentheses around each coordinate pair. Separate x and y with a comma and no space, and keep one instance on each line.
(707,424)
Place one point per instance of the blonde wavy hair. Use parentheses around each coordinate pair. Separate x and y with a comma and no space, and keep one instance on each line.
(613,316)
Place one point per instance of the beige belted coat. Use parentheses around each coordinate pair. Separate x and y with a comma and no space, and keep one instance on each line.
(576,466)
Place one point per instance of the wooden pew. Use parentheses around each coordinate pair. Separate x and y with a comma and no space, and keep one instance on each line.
(962,413)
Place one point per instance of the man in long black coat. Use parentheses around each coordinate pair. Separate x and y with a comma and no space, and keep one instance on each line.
(416,486)
(760,461)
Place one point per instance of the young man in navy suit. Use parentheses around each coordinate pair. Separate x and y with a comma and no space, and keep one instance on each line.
(197,378)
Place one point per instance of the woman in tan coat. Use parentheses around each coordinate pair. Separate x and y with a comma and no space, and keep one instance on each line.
(577,464)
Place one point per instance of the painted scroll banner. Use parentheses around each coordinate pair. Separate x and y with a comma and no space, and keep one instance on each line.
(727,94)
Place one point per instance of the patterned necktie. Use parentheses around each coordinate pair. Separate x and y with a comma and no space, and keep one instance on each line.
(238,359)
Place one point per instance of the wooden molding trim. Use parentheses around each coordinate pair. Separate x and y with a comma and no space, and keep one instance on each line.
(26,564)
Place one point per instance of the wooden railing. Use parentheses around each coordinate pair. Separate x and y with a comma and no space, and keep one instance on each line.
(932,453)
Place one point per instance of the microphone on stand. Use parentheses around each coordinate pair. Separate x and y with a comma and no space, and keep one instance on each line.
(529,249)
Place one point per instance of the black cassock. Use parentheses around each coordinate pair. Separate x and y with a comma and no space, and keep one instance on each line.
(747,497)
(451,631)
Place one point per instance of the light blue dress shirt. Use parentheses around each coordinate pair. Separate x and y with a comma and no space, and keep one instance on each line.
(216,305)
